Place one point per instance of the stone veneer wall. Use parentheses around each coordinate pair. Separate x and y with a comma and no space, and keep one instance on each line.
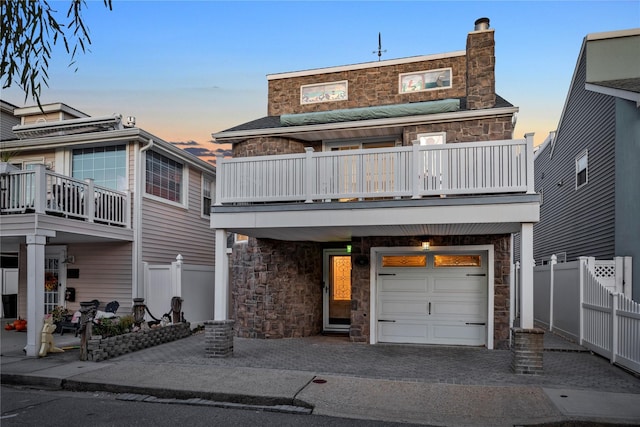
(277,288)
(481,60)
(489,129)
(105,348)
(367,87)
(360,287)
(267,146)
(473,76)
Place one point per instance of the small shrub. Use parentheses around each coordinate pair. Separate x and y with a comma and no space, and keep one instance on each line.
(126,323)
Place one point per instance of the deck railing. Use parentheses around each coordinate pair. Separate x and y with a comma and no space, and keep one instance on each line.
(416,171)
(43,191)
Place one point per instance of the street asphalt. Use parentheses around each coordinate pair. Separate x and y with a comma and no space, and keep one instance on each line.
(432,385)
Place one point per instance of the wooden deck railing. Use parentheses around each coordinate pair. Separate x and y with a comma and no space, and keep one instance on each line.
(416,171)
(43,191)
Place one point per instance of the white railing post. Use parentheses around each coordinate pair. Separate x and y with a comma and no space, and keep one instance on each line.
(219,161)
(619,273)
(614,326)
(176,276)
(554,261)
(89,200)
(40,188)
(415,170)
(582,264)
(529,151)
(627,281)
(309,174)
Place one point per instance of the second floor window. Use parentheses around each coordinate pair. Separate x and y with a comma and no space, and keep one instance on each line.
(582,165)
(207,195)
(163,177)
(107,166)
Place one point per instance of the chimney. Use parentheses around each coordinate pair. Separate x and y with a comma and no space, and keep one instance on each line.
(481,80)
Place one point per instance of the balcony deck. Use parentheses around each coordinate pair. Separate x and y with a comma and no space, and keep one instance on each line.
(408,172)
(41,191)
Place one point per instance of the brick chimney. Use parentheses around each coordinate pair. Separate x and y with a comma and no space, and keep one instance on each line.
(481,60)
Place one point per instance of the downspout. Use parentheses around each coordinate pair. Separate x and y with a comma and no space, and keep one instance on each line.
(137,292)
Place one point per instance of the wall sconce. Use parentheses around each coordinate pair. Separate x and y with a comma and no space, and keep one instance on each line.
(69,260)
(425,245)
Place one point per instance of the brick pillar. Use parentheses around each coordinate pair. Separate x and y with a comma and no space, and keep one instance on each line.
(527,348)
(218,336)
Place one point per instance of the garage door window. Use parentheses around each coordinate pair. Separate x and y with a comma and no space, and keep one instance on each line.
(456,261)
(404,260)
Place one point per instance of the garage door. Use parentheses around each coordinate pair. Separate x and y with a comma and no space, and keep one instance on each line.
(432,298)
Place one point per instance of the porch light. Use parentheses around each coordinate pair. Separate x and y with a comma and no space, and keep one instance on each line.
(425,246)
(348,249)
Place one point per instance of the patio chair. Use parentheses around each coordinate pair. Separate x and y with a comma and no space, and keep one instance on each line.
(72,322)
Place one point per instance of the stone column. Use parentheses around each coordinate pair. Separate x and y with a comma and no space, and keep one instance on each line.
(527,350)
(218,335)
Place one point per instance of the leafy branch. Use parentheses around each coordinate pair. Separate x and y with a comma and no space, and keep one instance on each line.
(29,31)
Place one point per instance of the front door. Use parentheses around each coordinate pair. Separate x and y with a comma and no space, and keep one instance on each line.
(337,290)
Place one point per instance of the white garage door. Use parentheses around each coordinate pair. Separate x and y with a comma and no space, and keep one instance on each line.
(432,298)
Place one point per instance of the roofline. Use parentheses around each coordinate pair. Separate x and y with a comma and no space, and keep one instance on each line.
(141,135)
(386,122)
(364,65)
(48,108)
(566,98)
(613,34)
(618,93)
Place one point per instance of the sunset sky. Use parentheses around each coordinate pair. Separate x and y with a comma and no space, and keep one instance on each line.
(187,69)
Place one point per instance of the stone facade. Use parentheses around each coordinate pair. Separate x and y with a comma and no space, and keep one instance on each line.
(267,146)
(489,129)
(277,288)
(473,76)
(481,81)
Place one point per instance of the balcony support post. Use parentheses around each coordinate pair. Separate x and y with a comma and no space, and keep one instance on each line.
(526,276)
(35,291)
(221,284)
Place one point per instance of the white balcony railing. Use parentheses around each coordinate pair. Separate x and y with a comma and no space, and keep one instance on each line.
(43,191)
(416,171)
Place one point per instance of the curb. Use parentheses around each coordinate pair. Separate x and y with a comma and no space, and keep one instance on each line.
(183,396)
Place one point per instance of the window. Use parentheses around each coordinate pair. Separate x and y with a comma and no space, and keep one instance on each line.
(163,177)
(457,261)
(434,138)
(324,92)
(207,195)
(107,166)
(419,81)
(404,260)
(582,166)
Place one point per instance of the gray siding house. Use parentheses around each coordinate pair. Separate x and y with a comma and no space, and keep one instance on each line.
(587,172)
(88,201)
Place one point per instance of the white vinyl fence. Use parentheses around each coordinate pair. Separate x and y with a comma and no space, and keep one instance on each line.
(192,283)
(585,300)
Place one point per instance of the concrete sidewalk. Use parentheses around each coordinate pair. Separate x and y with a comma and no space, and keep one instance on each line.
(450,386)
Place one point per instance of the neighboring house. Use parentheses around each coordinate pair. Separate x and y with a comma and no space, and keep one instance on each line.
(379,200)
(587,172)
(90,200)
